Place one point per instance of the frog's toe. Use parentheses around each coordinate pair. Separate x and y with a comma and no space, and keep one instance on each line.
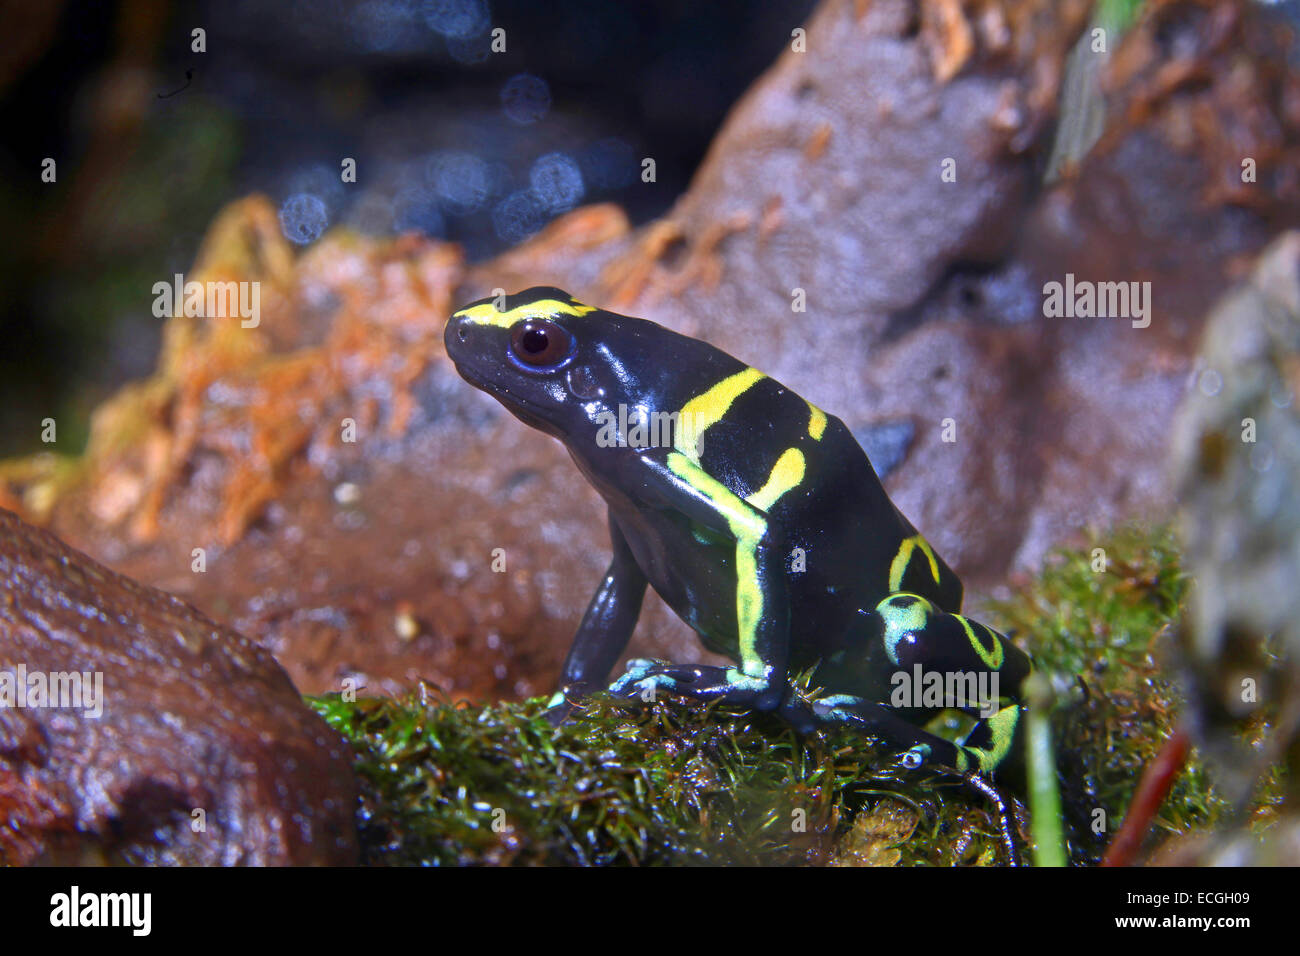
(638,671)
(836,708)
(648,687)
(915,758)
(558,709)
(558,715)
(656,682)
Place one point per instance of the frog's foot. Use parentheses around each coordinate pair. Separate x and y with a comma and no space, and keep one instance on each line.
(925,750)
(563,703)
(878,720)
(641,679)
(1002,807)
(645,679)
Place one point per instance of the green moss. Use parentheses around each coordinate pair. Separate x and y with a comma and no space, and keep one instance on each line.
(674,783)
(1107,639)
(665,783)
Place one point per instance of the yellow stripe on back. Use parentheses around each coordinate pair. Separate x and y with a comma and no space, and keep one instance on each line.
(486,313)
(706,410)
(748,529)
(904,557)
(816,423)
(786,474)
(1002,726)
(993,657)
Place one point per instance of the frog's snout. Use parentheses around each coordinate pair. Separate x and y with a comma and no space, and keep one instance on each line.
(456,335)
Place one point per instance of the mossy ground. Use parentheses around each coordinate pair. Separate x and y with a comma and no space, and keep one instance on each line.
(675,783)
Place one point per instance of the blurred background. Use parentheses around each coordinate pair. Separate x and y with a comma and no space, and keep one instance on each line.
(451,140)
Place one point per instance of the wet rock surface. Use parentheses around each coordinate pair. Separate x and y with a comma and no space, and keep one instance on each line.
(201,752)
(369,553)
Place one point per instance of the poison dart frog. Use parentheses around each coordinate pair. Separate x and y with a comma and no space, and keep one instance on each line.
(758,519)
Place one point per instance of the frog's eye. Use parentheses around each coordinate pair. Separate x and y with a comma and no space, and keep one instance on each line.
(540,343)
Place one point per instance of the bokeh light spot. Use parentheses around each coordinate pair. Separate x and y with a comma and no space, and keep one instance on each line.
(525,98)
(557,182)
(461,180)
(456,18)
(303,218)
(518,216)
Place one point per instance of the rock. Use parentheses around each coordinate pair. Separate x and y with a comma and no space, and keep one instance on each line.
(180,725)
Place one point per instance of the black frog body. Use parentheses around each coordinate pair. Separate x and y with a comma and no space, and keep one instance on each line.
(758,519)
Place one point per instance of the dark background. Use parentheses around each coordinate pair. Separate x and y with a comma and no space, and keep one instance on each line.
(447,137)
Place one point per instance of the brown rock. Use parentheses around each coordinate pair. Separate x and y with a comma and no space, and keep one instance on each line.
(191,717)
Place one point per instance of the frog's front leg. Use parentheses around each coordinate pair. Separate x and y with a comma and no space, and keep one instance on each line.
(605,629)
(762,595)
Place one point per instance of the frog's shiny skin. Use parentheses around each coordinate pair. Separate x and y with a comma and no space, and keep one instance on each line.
(761,523)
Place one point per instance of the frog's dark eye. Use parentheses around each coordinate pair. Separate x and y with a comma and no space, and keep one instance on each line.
(540,343)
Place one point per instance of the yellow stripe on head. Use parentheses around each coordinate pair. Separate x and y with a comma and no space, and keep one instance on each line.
(706,410)
(485,313)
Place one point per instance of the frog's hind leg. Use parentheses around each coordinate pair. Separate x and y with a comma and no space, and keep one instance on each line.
(962,665)
(924,748)
(878,720)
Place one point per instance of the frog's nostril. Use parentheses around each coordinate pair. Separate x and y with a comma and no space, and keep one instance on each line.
(461,333)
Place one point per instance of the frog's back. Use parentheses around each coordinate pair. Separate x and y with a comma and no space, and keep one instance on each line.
(848,547)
